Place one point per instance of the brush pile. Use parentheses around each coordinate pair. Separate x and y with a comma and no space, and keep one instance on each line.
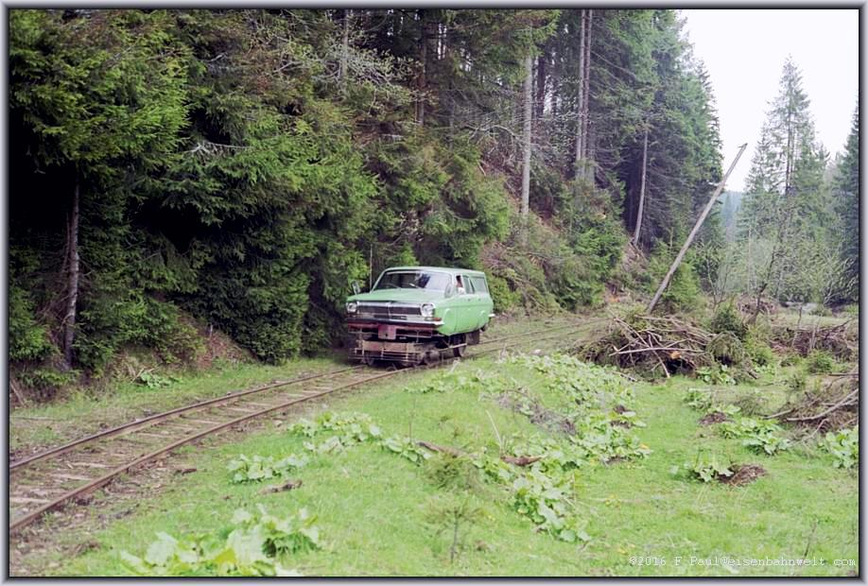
(664,346)
(832,407)
(838,340)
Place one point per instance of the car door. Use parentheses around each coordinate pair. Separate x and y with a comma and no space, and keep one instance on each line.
(474,303)
(462,305)
(483,303)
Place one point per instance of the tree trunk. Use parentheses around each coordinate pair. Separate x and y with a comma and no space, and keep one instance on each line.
(423,59)
(345,51)
(526,136)
(579,103)
(586,100)
(540,87)
(641,190)
(665,282)
(72,280)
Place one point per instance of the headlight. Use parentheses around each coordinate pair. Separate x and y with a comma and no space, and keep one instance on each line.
(427,310)
(352,307)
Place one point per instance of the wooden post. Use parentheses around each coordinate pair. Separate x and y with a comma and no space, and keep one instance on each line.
(692,235)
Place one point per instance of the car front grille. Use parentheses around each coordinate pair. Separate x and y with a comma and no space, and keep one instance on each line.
(388,310)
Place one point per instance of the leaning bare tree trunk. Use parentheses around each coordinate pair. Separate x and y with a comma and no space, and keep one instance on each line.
(641,190)
(72,280)
(526,135)
(692,235)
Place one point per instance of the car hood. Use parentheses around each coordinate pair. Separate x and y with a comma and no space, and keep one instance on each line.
(399,295)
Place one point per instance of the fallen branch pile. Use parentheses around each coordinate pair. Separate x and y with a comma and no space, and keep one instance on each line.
(835,406)
(838,340)
(664,344)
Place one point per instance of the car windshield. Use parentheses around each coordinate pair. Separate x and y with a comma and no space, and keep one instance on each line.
(428,280)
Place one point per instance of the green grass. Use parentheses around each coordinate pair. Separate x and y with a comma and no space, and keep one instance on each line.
(374,508)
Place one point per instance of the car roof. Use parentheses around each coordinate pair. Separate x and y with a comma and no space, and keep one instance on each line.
(452,271)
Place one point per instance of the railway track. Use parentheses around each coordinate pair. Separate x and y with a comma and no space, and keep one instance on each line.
(47,480)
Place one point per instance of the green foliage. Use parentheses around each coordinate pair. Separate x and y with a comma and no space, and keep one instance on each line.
(844,446)
(257,468)
(108,324)
(604,438)
(728,319)
(47,380)
(557,457)
(581,382)
(405,447)
(543,500)
(728,350)
(846,202)
(762,436)
(542,493)
(504,298)
(715,375)
(759,352)
(791,234)
(152,380)
(797,382)
(682,293)
(351,428)
(28,340)
(290,535)
(582,390)
(819,362)
(451,515)
(252,201)
(459,380)
(536,269)
(248,547)
(453,472)
(699,399)
(705,468)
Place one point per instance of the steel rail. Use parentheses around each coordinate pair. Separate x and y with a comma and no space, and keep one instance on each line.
(109,476)
(106,478)
(62,449)
(151,419)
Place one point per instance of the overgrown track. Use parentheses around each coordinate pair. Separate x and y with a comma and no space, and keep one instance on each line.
(48,480)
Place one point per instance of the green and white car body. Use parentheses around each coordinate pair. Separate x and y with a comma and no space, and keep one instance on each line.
(425,309)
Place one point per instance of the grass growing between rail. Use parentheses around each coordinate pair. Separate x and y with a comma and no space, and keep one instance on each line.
(381,514)
(84,412)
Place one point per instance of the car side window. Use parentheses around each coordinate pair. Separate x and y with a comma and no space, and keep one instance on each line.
(469,285)
(478,285)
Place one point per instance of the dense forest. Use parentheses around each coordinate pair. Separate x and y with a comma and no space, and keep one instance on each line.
(243,167)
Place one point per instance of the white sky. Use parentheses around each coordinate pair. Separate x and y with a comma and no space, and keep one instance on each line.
(744,52)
